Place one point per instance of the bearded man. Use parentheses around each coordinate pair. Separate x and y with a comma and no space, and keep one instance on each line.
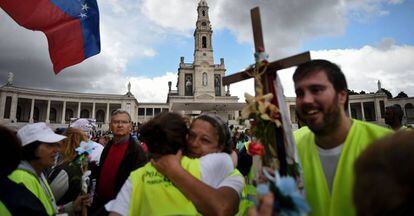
(331,140)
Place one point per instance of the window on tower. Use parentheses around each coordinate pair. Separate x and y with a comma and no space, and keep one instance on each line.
(204,13)
(204,42)
(204,79)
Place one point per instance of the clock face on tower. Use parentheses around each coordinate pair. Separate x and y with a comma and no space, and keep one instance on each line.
(203,23)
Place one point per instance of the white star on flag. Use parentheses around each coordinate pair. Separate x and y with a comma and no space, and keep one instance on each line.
(83,15)
(85,7)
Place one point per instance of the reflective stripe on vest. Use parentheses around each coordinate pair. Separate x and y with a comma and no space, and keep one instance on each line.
(154,194)
(340,202)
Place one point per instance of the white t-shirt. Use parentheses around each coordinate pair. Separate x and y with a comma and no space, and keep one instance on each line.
(329,160)
(215,169)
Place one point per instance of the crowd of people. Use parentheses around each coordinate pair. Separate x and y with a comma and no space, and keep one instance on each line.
(181,167)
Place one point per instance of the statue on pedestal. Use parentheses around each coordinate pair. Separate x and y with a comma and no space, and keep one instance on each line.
(10,79)
(129,94)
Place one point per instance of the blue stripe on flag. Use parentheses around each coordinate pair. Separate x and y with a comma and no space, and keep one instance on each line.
(90,30)
(89,23)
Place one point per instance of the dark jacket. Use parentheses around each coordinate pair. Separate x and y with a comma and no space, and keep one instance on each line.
(74,172)
(134,158)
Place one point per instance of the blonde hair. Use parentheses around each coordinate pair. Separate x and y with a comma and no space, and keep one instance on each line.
(73,140)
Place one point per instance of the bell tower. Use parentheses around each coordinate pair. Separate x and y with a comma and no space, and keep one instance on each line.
(202,79)
(199,85)
(203,50)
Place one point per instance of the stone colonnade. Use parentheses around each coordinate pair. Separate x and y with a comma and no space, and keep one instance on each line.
(21,106)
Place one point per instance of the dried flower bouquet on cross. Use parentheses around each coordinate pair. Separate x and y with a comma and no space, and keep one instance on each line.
(267,147)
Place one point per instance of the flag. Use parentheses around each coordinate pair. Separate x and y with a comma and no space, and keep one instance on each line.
(71,27)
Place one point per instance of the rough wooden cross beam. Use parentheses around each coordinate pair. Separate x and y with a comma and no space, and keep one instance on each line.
(271,67)
(259,44)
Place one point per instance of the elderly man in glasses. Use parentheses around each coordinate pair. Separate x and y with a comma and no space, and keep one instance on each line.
(119,157)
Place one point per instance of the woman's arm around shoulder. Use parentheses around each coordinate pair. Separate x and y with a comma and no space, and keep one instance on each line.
(208,200)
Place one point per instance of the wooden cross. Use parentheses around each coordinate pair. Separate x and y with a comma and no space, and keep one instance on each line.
(259,44)
(268,78)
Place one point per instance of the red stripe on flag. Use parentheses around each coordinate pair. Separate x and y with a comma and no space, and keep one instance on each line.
(63,32)
(65,45)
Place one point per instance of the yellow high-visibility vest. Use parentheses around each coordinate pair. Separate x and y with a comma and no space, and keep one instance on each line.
(340,201)
(32,183)
(154,194)
(3,210)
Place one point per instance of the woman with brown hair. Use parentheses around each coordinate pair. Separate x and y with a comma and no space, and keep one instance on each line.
(208,134)
(40,148)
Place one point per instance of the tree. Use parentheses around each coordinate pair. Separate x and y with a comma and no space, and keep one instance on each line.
(362,92)
(352,92)
(401,95)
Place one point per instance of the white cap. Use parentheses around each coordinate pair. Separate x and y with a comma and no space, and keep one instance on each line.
(38,132)
(83,124)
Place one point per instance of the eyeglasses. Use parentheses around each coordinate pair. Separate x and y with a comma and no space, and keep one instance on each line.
(118,122)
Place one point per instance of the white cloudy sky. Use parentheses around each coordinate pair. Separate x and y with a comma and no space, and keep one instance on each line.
(142,41)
